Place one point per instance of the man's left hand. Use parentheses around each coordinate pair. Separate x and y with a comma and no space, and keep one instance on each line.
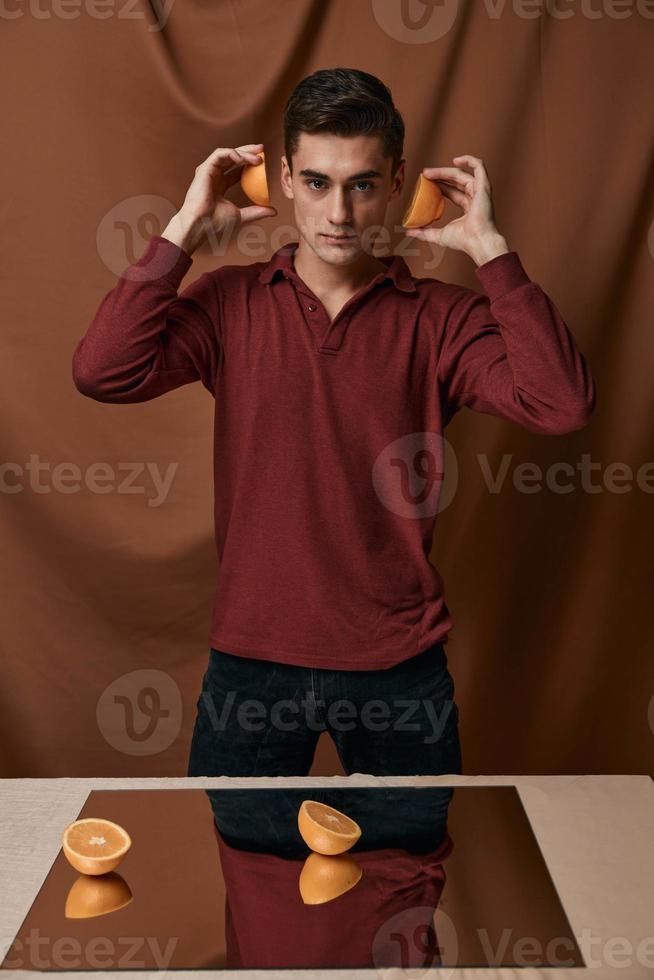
(474,232)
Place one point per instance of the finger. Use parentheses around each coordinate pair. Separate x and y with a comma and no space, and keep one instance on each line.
(251,152)
(453,174)
(455,195)
(249,157)
(432,235)
(233,176)
(247,149)
(476,163)
(234,163)
(220,153)
(223,156)
(254,211)
(234,172)
(449,182)
(468,158)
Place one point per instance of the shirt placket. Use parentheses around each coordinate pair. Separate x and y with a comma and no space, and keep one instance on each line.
(314,310)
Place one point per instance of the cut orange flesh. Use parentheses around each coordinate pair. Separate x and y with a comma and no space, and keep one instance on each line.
(95,846)
(326,829)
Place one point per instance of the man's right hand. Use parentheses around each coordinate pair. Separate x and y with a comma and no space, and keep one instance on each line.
(205,208)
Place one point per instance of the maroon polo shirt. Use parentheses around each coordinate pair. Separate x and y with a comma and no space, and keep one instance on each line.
(328,450)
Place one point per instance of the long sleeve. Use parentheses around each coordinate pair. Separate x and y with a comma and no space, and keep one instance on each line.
(146,340)
(509,353)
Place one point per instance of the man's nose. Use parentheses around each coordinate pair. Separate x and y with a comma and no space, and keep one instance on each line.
(340,208)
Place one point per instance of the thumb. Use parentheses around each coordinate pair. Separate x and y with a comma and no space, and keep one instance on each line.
(427,234)
(255,211)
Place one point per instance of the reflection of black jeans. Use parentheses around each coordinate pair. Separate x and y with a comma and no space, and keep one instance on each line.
(262,718)
(413,818)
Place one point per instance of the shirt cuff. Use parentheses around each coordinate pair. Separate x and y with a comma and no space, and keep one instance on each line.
(502,274)
(162,259)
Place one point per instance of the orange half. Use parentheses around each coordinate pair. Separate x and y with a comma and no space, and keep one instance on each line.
(326,829)
(92,895)
(426,205)
(95,846)
(324,878)
(254,181)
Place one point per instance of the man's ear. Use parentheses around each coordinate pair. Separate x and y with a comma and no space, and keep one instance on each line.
(398,179)
(286,179)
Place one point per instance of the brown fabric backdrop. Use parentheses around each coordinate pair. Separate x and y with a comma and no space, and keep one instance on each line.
(106,114)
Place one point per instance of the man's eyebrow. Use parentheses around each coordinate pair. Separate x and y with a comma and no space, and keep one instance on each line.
(359,176)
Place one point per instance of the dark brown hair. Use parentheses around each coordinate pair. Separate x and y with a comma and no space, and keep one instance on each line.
(346,102)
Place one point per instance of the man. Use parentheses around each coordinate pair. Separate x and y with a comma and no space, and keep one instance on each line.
(334,372)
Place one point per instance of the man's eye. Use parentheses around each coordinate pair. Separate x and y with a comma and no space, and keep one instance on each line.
(317,180)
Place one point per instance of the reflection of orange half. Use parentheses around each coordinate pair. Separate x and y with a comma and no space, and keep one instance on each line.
(426,205)
(95,846)
(97,895)
(255,182)
(326,829)
(326,877)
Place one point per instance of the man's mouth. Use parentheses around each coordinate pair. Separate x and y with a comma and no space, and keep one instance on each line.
(338,238)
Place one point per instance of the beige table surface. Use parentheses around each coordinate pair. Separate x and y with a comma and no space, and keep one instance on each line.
(596,833)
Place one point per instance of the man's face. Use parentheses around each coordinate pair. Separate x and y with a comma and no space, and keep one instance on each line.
(341,185)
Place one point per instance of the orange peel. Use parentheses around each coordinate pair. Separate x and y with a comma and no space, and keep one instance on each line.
(254,181)
(426,205)
(92,895)
(324,878)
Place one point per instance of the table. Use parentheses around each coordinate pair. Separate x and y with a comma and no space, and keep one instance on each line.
(595,832)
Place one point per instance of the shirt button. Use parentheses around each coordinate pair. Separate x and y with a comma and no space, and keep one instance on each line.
(312,307)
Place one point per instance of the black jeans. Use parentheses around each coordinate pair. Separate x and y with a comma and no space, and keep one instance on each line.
(262,718)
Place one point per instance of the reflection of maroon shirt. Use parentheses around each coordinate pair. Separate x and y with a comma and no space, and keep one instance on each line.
(268,925)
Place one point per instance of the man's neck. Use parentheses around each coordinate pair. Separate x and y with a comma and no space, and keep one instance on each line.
(325,278)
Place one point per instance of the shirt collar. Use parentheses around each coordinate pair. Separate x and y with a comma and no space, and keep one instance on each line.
(281,263)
